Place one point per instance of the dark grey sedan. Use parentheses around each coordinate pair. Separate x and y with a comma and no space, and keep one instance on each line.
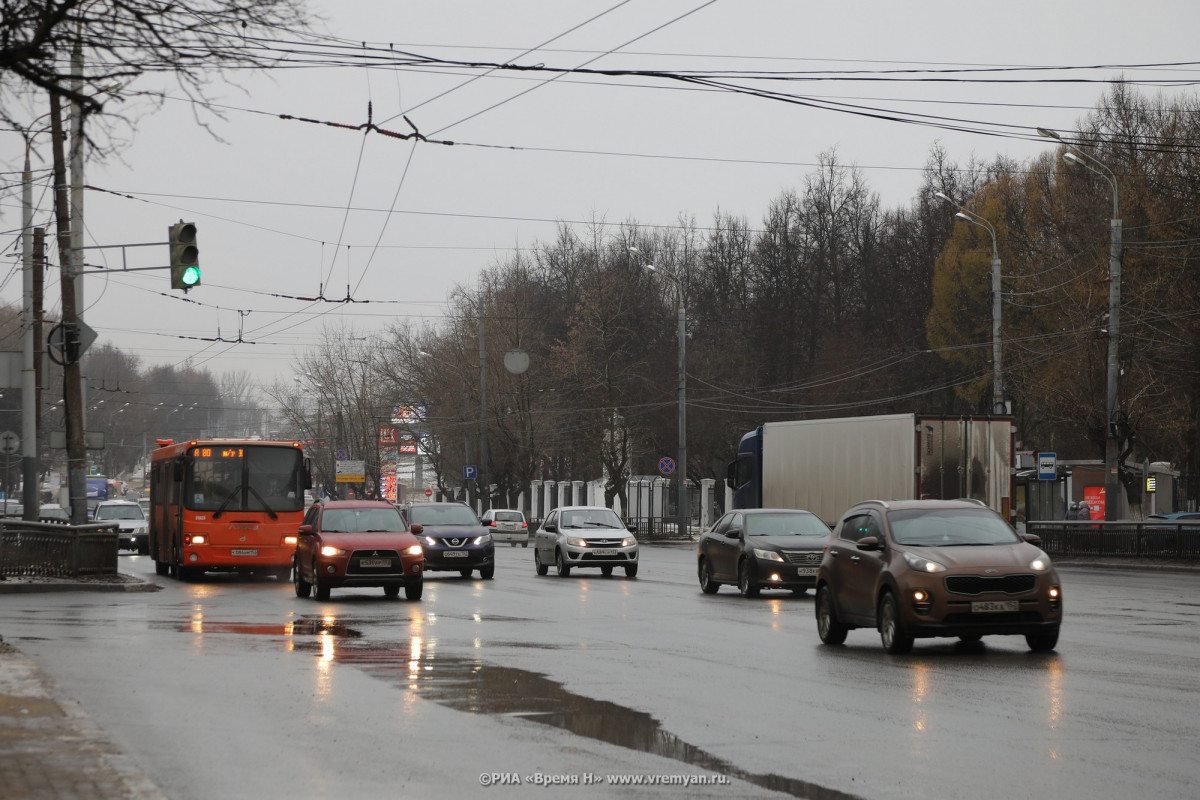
(762,548)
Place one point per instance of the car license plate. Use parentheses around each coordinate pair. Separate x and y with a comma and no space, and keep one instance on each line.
(455,554)
(243,552)
(994,606)
(604,551)
(374,562)
(802,571)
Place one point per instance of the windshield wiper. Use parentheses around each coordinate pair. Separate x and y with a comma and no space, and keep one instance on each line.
(266,507)
(221,508)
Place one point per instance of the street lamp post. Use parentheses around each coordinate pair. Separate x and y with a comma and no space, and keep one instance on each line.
(1112,483)
(683,508)
(998,406)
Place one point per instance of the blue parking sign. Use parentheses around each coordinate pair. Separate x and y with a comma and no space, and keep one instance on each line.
(469,472)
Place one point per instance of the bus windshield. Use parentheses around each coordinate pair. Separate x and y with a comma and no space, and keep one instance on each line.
(244,478)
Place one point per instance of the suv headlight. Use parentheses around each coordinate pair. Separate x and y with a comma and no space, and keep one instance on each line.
(487,537)
(329,550)
(921,564)
(767,555)
(1041,563)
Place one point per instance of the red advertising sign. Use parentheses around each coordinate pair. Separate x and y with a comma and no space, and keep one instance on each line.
(1095,499)
(387,435)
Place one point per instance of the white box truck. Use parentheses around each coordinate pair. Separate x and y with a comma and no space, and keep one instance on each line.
(827,465)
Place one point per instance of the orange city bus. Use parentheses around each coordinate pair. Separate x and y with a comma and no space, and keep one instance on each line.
(226,504)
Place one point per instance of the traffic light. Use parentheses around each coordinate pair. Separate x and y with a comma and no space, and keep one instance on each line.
(185,256)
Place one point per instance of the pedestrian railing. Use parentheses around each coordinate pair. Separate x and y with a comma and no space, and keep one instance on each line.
(1149,539)
(54,550)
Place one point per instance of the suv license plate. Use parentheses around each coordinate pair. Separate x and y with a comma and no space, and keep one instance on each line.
(243,552)
(455,554)
(374,562)
(994,606)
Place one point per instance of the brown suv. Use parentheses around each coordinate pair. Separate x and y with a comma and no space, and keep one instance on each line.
(922,568)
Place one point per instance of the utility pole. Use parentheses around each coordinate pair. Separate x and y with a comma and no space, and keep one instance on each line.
(29,400)
(72,374)
(484,493)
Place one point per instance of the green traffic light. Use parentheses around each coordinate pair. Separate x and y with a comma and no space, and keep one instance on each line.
(191,276)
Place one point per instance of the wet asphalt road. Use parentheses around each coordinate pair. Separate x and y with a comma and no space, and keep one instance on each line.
(234,688)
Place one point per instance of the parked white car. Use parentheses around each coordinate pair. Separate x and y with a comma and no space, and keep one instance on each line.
(132,521)
(507,526)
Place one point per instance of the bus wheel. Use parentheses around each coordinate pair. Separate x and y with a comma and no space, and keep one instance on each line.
(161,567)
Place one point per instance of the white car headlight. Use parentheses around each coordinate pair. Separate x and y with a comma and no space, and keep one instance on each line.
(628,541)
(576,541)
(921,564)
(767,555)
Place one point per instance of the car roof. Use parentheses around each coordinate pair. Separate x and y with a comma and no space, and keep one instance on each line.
(894,505)
(583,508)
(354,504)
(772,511)
(118,502)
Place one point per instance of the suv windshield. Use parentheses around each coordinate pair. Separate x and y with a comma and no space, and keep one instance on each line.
(361,520)
(591,518)
(950,527)
(798,524)
(442,515)
(120,512)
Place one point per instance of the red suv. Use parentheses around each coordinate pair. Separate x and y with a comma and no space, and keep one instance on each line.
(357,543)
(922,568)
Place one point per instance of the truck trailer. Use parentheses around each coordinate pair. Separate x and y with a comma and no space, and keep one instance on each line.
(827,465)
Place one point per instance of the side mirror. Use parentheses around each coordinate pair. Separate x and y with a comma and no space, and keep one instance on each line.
(416,528)
(869,543)
(305,530)
(734,533)
(1032,538)
(551,528)
(631,527)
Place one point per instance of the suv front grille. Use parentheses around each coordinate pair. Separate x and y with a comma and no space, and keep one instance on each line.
(984,584)
(355,567)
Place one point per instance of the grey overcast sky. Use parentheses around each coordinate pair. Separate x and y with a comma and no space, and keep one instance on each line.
(283,206)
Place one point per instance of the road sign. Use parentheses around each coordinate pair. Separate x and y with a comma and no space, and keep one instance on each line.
(351,471)
(340,455)
(1047,466)
(9,443)
(470,473)
(429,492)
(666,465)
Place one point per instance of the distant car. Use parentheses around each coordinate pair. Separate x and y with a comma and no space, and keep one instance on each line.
(53,512)
(134,534)
(357,543)
(454,539)
(920,568)
(762,548)
(144,502)
(507,526)
(584,536)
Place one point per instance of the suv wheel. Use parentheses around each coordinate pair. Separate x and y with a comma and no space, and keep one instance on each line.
(891,629)
(303,587)
(830,630)
(1042,642)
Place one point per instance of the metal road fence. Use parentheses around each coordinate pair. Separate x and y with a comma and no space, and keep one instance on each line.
(45,549)
(1149,539)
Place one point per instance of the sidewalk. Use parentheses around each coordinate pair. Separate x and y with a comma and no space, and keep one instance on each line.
(50,749)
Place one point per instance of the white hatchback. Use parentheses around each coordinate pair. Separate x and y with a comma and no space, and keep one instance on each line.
(507,526)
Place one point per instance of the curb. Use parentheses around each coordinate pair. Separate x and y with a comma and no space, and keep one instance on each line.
(32,584)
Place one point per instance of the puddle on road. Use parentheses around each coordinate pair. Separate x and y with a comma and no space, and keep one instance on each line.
(477,687)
